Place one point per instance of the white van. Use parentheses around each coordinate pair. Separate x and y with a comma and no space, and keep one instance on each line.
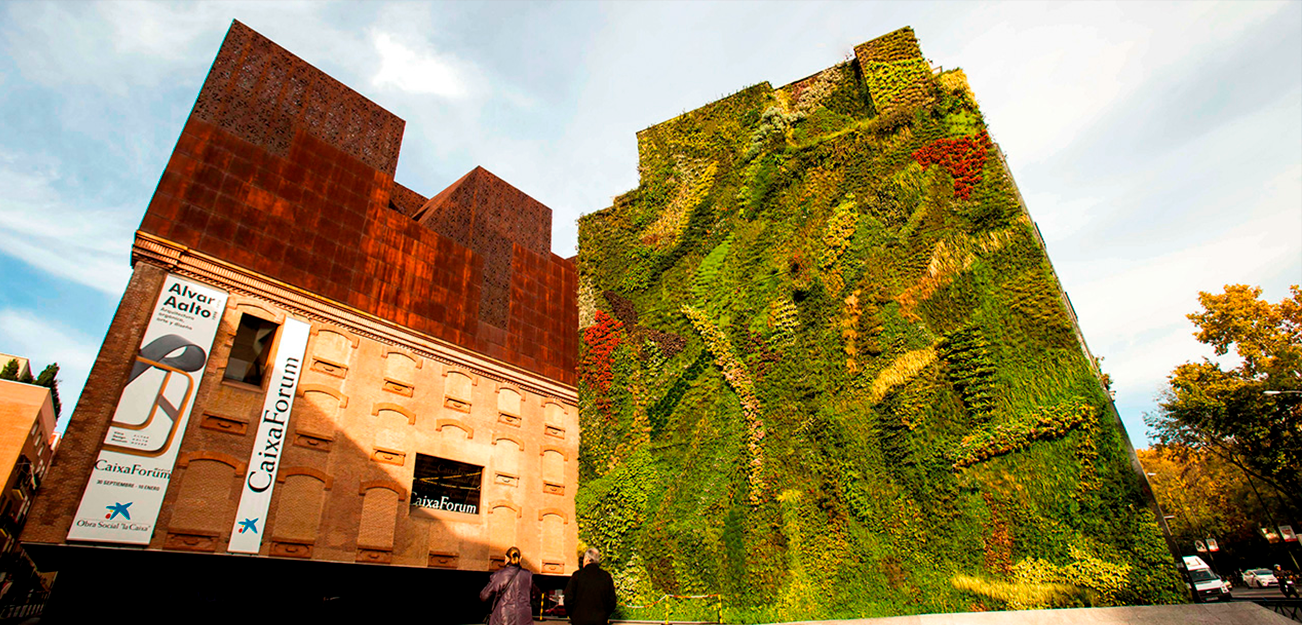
(1206,584)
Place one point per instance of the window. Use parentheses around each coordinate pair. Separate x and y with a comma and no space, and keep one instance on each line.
(441,484)
(248,359)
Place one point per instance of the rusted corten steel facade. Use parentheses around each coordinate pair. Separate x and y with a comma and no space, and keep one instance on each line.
(443,327)
(276,151)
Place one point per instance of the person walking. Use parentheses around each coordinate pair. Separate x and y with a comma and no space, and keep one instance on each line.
(509,589)
(590,595)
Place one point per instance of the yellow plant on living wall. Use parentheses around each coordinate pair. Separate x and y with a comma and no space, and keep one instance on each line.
(850,330)
(1106,580)
(836,238)
(694,180)
(1036,583)
(896,83)
(950,258)
(734,371)
(903,369)
(1022,595)
(784,319)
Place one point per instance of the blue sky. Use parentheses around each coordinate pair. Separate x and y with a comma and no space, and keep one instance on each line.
(1158,146)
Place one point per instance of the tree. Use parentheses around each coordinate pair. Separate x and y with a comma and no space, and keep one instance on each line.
(10,372)
(1226,412)
(1207,496)
(49,379)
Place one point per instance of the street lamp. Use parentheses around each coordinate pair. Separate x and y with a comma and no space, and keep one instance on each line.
(1281,392)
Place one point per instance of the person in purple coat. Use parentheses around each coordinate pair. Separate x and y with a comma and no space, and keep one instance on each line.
(509,588)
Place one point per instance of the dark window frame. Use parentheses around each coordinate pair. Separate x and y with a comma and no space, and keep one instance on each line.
(253,345)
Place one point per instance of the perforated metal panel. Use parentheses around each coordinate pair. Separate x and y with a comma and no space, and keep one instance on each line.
(260,92)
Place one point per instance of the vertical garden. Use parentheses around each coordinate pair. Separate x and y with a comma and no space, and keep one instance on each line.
(827,370)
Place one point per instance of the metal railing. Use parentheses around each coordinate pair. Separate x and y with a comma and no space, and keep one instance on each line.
(32,604)
(1288,608)
(22,591)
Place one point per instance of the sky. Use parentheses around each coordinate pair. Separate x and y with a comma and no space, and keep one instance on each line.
(1158,145)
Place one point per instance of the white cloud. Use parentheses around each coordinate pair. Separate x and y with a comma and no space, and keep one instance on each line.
(62,45)
(1045,74)
(1130,297)
(76,241)
(116,46)
(412,70)
(157,30)
(26,334)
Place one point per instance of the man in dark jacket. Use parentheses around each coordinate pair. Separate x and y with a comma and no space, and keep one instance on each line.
(590,595)
(509,589)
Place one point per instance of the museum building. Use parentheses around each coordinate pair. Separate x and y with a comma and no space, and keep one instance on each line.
(313,364)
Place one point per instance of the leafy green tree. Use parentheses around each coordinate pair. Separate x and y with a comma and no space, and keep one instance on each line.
(1227,412)
(10,372)
(49,378)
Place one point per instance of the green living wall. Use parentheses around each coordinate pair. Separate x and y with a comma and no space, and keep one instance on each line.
(827,370)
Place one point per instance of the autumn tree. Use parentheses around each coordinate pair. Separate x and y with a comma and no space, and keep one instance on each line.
(1228,412)
(1207,496)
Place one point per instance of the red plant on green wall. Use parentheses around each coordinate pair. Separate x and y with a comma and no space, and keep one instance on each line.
(963,158)
(601,338)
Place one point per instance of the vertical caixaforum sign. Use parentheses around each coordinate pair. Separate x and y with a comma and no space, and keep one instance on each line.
(264,460)
(130,477)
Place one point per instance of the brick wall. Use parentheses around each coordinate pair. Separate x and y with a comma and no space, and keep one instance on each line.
(363,411)
(60,493)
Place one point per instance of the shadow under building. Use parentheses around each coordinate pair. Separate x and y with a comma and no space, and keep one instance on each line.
(321,389)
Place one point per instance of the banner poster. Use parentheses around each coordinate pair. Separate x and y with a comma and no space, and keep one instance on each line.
(1212,546)
(131,474)
(264,460)
(1287,532)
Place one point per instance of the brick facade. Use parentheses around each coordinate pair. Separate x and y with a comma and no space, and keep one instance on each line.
(440,326)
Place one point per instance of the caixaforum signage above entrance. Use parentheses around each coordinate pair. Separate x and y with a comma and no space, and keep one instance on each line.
(448,485)
(122,500)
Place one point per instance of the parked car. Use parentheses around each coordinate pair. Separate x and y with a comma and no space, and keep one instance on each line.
(1206,584)
(1259,578)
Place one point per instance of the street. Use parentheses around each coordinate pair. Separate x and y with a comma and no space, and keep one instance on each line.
(1245,593)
